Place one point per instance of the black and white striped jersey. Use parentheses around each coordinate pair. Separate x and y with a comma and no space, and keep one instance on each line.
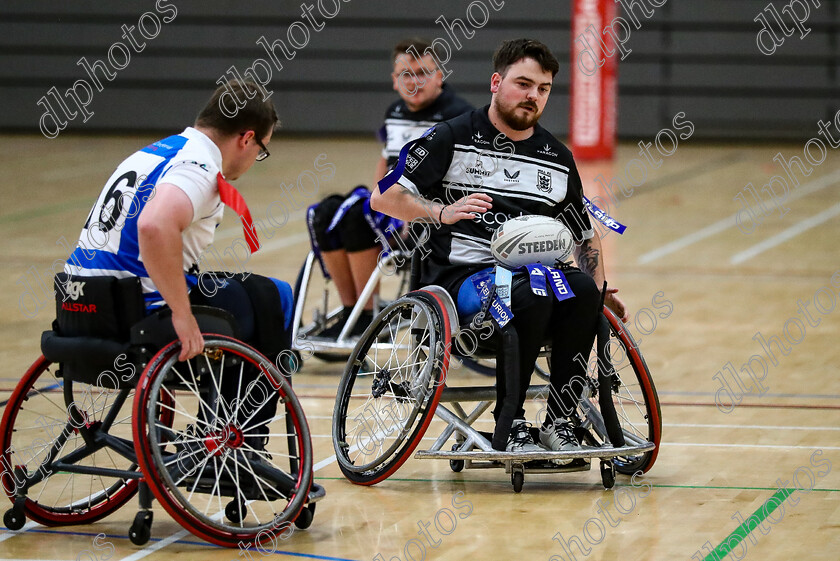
(402,125)
(468,154)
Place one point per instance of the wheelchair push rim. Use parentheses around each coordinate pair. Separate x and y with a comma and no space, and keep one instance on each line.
(39,405)
(399,393)
(207,469)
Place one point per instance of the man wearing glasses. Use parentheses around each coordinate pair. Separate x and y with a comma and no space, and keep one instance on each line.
(159,211)
(349,246)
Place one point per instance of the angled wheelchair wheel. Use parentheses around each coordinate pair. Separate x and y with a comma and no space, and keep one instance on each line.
(391,387)
(235,463)
(634,397)
(52,426)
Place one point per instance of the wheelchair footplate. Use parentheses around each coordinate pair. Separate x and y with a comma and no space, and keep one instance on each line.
(476,453)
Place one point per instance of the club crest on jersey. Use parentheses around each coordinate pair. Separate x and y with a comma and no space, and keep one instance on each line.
(547,151)
(544,181)
(478,139)
(511,177)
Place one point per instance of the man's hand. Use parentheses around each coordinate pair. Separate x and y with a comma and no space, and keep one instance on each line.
(615,304)
(192,342)
(466,208)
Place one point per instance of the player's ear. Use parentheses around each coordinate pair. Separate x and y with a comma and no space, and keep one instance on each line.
(495,81)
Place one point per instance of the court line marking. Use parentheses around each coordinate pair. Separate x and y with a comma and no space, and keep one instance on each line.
(743,530)
(729,222)
(800,227)
(760,427)
(581,484)
(764,405)
(739,445)
(12,533)
(148,550)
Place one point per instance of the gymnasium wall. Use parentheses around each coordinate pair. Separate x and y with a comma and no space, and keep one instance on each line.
(696,56)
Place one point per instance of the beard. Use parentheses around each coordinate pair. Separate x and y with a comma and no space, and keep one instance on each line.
(518,122)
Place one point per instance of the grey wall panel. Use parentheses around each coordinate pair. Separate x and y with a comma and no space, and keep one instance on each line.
(699,56)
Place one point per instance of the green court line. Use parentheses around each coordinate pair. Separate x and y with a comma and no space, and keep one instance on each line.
(742,531)
(576,484)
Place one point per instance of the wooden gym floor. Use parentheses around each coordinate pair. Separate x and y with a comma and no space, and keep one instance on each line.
(724,286)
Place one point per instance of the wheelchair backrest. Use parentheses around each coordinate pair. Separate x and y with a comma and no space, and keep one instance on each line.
(99,306)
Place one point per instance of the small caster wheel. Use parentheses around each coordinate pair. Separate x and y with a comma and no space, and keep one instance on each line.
(304,519)
(235,511)
(607,474)
(14,519)
(456,465)
(141,528)
(517,478)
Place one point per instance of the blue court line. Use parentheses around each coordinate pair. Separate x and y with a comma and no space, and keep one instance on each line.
(33,392)
(188,542)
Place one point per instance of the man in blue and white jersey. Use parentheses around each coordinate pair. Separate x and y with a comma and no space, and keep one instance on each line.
(159,210)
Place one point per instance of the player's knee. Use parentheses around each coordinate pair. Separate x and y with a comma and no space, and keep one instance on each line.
(586,291)
(354,230)
(321,220)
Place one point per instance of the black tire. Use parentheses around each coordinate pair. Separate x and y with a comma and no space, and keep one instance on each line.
(607,474)
(304,519)
(399,368)
(214,453)
(37,425)
(635,398)
(517,478)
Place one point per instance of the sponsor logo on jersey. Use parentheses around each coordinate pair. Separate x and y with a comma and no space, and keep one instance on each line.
(541,246)
(420,152)
(544,181)
(494,219)
(478,139)
(512,177)
(547,151)
(202,166)
(411,162)
(74,289)
(79,307)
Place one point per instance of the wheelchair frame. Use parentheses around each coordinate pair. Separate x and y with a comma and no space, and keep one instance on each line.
(164,390)
(618,448)
(305,335)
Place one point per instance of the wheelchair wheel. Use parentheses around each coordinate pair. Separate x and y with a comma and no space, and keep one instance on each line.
(391,387)
(235,464)
(634,396)
(43,436)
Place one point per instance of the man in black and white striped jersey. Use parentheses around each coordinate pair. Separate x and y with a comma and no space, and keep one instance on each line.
(474,172)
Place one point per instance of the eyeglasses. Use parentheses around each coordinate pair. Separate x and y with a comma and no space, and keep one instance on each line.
(264,153)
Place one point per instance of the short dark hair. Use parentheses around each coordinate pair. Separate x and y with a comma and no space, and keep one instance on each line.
(257,114)
(419,43)
(514,50)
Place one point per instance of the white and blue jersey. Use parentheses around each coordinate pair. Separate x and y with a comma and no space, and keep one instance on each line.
(108,244)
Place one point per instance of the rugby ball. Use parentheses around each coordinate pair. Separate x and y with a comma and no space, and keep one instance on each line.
(531,239)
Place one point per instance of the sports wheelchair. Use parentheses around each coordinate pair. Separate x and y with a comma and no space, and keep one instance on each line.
(108,411)
(395,381)
(313,293)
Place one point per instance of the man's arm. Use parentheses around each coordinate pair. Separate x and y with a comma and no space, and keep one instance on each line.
(588,258)
(403,203)
(159,229)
